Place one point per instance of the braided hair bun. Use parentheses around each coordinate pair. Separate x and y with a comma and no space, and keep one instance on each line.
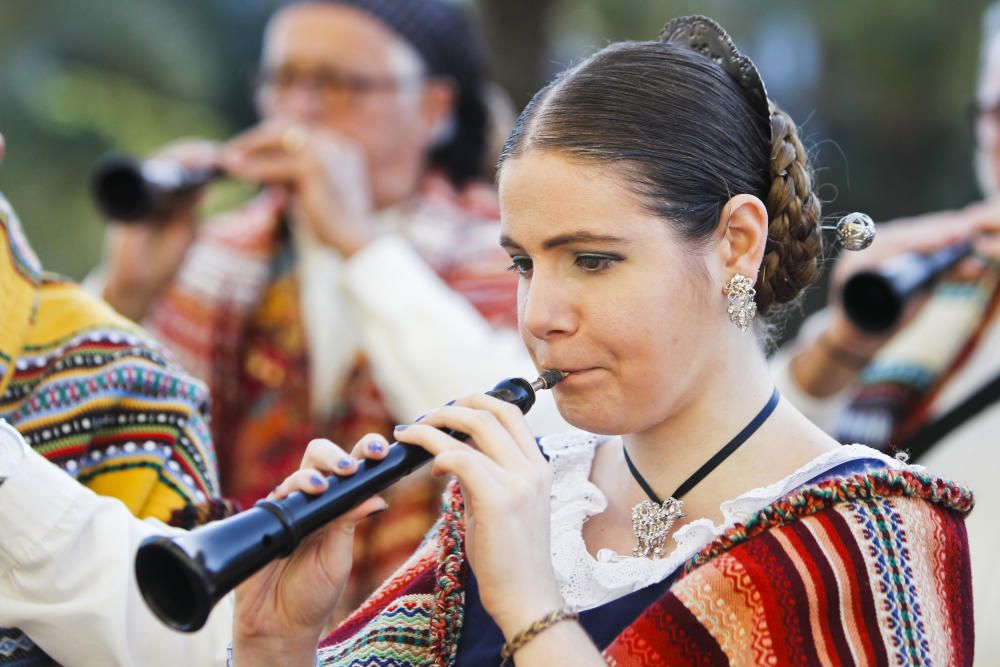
(794,242)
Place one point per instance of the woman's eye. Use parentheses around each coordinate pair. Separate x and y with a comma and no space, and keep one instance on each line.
(520,265)
(594,263)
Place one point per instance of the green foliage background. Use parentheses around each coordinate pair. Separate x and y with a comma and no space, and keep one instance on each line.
(881,89)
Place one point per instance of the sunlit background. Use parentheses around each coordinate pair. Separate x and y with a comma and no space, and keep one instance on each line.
(881,89)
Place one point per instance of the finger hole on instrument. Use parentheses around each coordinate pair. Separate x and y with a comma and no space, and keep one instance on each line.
(372,446)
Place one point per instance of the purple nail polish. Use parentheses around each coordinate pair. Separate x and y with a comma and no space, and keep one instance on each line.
(401,427)
(376,447)
(316,479)
(345,463)
(451,402)
(420,417)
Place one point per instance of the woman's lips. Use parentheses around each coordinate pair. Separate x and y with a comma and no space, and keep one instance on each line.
(577,375)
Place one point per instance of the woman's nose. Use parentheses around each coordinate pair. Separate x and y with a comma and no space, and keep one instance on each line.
(547,307)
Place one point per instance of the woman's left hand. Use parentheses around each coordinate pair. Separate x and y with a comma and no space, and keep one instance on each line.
(506,485)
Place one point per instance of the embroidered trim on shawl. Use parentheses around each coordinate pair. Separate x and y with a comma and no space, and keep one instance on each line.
(449,602)
(411,619)
(813,498)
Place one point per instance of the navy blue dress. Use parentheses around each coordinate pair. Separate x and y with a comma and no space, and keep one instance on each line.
(481,639)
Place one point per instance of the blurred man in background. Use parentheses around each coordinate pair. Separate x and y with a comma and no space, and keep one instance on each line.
(355,291)
(929,387)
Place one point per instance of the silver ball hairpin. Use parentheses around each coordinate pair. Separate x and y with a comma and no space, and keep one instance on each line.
(856,231)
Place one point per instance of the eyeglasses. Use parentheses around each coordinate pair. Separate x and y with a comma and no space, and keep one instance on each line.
(332,84)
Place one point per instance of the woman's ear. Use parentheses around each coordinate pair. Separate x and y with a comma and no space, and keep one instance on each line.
(744,223)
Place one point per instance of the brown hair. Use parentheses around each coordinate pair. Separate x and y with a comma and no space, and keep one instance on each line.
(687,138)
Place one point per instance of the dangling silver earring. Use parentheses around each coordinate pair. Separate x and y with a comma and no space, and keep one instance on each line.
(742,307)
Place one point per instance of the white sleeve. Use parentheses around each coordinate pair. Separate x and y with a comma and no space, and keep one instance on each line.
(66,575)
(821,411)
(427,344)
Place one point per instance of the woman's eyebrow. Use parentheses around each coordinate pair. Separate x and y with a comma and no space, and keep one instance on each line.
(580,237)
(566,239)
(507,242)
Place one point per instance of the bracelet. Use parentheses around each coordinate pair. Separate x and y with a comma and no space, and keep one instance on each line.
(535,629)
(840,355)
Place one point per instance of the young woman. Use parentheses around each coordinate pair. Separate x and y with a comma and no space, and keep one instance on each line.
(653,200)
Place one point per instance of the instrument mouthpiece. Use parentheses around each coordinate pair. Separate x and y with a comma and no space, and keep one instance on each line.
(548,379)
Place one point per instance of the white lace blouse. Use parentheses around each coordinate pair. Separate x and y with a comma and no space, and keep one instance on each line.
(586,582)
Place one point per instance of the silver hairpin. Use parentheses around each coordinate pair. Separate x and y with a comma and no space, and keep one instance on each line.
(855,231)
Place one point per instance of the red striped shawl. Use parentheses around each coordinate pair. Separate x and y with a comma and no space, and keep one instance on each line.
(866,570)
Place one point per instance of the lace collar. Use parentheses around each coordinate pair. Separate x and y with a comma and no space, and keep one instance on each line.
(587,582)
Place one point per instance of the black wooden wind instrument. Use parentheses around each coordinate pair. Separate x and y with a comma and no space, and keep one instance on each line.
(183,577)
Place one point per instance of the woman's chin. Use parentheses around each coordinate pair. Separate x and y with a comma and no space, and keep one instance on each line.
(588,419)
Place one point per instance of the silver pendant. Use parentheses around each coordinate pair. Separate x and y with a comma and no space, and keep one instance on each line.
(651,523)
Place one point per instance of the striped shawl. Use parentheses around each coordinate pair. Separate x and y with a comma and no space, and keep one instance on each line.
(870,569)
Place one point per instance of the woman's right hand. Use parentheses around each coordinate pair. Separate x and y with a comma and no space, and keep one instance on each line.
(142,258)
(283,609)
